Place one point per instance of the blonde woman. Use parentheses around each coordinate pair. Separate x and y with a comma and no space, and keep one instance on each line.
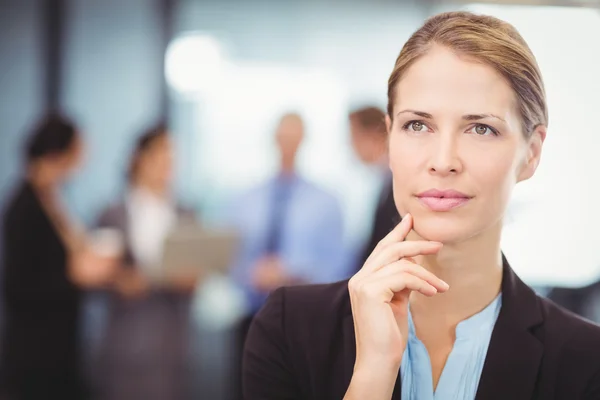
(436,312)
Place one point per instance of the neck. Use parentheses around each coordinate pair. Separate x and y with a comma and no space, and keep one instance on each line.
(157,189)
(287,166)
(41,177)
(473,269)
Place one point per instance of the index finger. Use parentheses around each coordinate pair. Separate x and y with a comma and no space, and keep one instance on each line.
(398,234)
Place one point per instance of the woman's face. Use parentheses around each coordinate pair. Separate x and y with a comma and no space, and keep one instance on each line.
(156,163)
(456,146)
(68,162)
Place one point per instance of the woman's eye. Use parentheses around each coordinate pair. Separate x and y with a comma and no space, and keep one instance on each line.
(416,126)
(484,130)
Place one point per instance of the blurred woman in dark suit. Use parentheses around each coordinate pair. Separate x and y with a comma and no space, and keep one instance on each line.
(47,263)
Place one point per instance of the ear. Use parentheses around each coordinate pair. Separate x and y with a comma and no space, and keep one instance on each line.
(388,124)
(388,128)
(533,153)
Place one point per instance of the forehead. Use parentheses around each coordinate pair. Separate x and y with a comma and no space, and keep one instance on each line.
(290,128)
(290,122)
(443,82)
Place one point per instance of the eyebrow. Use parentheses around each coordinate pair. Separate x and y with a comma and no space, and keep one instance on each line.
(477,117)
(468,117)
(419,113)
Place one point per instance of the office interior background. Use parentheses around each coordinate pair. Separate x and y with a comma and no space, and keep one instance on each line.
(222,73)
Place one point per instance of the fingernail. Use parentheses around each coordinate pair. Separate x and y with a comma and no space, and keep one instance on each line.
(446,285)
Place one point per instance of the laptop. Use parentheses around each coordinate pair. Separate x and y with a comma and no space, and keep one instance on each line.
(191,249)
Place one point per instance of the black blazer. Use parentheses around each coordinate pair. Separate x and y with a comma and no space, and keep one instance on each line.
(385,220)
(301,346)
(41,329)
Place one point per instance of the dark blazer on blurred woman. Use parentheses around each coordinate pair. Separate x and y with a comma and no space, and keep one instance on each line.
(46,263)
(42,303)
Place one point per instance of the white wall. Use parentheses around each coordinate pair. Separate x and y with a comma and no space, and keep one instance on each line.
(551,233)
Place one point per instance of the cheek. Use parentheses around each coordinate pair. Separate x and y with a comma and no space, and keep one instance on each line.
(494,173)
(407,157)
(489,169)
(169,165)
(361,147)
(408,164)
(158,167)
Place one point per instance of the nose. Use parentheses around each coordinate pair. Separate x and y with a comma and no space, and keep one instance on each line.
(444,159)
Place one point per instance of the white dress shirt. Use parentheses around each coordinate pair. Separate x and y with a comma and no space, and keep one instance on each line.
(151,219)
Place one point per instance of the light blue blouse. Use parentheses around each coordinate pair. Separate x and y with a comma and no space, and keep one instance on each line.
(460,377)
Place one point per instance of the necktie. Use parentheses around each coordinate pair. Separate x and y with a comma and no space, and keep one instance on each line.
(280,197)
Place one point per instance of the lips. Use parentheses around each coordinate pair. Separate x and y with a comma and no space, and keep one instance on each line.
(443,200)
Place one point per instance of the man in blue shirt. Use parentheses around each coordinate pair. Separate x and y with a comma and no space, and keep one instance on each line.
(292,232)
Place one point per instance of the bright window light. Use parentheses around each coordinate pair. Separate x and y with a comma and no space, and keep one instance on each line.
(551,233)
(194,64)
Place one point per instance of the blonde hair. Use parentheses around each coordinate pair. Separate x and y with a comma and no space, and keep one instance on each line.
(487,40)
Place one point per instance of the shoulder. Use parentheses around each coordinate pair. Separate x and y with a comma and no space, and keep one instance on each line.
(290,342)
(578,335)
(21,206)
(297,310)
(115,206)
(318,193)
(113,214)
(314,301)
(294,334)
(251,193)
(572,344)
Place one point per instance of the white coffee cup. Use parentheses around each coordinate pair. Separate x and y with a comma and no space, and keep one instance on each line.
(107,242)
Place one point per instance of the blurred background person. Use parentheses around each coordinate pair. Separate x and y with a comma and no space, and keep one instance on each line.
(369,140)
(47,262)
(292,231)
(144,355)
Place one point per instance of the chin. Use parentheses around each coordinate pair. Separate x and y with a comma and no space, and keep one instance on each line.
(445,227)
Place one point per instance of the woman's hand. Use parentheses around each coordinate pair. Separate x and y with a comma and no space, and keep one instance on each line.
(130,283)
(379,295)
(89,269)
(269,274)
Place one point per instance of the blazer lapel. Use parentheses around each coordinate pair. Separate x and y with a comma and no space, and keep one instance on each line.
(514,354)
(349,349)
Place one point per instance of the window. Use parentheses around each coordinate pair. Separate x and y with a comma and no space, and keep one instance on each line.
(551,235)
